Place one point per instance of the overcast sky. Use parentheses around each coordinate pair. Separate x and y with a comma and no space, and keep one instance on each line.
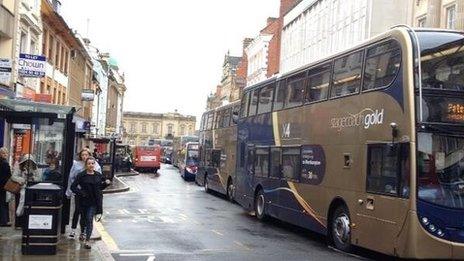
(171,51)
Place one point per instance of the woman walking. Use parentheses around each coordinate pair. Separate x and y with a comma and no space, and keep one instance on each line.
(88,186)
(77,167)
(5,175)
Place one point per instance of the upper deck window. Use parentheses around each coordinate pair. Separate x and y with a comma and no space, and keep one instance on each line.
(244,105)
(280,96)
(253,102)
(382,65)
(265,99)
(317,86)
(347,74)
(295,90)
(442,60)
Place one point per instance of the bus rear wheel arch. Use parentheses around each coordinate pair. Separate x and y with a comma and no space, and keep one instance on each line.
(230,193)
(339,226)
(260,204)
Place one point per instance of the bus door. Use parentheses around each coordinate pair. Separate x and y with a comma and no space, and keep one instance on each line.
(382,209)
(246,180)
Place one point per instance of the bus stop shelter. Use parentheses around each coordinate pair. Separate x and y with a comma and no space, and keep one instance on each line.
(43,133)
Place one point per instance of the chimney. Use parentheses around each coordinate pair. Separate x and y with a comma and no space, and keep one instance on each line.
(287,5)
(246,43)
(270,20)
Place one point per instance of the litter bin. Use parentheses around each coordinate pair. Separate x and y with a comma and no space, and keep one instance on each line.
(42,210)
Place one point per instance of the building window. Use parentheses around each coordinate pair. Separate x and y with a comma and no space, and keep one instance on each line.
(33,47)
(451,17)
(170,128)
(50,49)
(23,43)
(421,21)
(44,42)
(57,55)
(182,130)
(144,127)
(132,127)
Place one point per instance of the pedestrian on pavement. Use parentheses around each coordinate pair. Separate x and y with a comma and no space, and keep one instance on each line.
(88,186)
(5,175)
(24,171)
(77,167)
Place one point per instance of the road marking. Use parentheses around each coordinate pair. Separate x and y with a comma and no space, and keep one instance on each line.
(143,211)
(109,241)
(242,245)
(166,220)
(183,215)
(217,232)
(126,211)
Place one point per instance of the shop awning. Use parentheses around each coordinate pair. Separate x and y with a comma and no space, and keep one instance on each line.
(12,109)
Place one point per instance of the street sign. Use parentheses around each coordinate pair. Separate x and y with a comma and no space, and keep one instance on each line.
(5,71)
(31,65)
(87,95)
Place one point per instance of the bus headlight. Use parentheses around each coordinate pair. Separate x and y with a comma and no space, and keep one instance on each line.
(440,233)
(425,221)
(432,227)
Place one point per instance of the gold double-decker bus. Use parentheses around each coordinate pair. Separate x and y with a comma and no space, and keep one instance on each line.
(366,146)
(218,143)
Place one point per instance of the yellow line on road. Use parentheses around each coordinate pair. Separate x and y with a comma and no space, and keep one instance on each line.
(109,241)
(242,245)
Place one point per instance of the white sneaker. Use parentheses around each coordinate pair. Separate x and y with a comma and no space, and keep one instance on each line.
(72,234)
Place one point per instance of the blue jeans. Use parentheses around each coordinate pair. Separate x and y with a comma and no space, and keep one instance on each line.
(87,214)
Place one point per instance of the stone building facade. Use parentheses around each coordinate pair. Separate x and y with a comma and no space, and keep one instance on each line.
(448,14)
(140,127)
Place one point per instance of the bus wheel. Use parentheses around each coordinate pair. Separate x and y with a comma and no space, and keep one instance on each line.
(341,229)
(230,191)
(206,185)
(260,206)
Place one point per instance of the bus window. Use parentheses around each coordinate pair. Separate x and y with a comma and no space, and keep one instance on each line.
(244,105)
(275,163)
(209,123)
(216,158)
(382,65)
(218,119)
(291,164)
(318,83)
(295,91)
(234,117)
(280,96)
(250,160)
(202,123)
(262,162)
(265,99)
(226,118)
(254,102)
(347,74)
(387,169)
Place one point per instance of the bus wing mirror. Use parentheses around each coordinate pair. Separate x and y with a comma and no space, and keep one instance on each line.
(235,118)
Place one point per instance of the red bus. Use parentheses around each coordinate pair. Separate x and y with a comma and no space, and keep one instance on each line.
(147,158)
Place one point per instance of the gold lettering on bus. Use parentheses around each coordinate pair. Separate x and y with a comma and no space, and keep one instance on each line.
(366,118)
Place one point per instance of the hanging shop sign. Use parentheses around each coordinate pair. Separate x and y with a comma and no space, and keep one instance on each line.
(88,95)
(5,71)
(31,65)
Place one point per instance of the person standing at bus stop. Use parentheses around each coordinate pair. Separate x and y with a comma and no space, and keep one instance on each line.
(77,167)
(88,186)
(5,175)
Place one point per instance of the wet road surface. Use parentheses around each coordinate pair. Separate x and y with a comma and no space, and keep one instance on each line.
(163,217)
